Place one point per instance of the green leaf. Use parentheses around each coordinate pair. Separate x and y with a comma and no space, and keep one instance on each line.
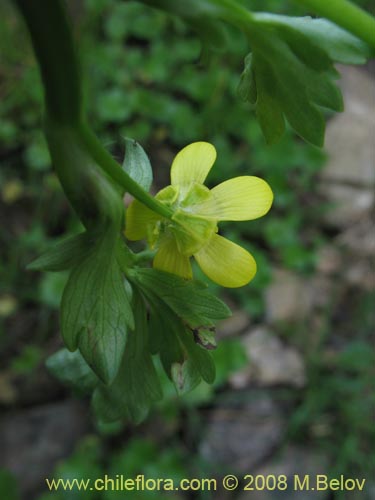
(268,109)
(137,164)
(63,255)
(247,90)
(200,357)
(190,300)
(164,338)
(136,386)
(185,376)
(282,86)
(95,309)
(337,43)
(183,360)
(71,369)
(291,73)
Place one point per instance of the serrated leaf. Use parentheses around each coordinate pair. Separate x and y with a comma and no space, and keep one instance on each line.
(164,339)
(246,89)
(137,164)
(338,44)
(183,360)
(282,81)
(63,255)
(292,63)
(268,109)
(188,299)
(71,369)
(95,310)
(200,357)
(136,386)
(323,92)
(185,376)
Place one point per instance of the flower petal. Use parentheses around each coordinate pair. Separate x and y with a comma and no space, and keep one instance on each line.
(193,163)
(240,198)
(169,259)
(138,220)
(226,263)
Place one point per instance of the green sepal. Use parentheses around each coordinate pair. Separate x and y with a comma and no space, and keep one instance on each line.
(137,164)
(72,370)
(136,386)
(95,309)
(63,255)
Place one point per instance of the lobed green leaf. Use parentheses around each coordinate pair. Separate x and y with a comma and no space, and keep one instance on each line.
(190,300)
(95,309)
(338,44)
(71,369)
(136,386)
(63,255)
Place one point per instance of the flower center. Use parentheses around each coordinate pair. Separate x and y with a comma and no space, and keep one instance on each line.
(190,230)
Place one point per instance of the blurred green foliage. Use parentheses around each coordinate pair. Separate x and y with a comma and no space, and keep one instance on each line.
(144,79)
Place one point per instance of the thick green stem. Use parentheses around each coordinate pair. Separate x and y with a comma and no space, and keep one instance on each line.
(347,15)
(51,36)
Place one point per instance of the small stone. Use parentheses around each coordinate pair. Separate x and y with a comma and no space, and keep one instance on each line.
(359,238)
(361,274)
(329,260)
(349,204)
(348,179)
(271,362)
(33,441)
(234,325)
(350,135)
(240,437)
(287,298)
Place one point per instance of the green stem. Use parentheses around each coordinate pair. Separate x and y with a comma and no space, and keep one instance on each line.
(50,33)
(52,40)
(347,15)
(113,169)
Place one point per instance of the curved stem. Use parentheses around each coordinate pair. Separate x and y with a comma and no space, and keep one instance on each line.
(114,170)
(53,44)
(347,15)
(50,34)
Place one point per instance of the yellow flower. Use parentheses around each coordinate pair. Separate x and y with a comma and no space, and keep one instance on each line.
(192,229)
